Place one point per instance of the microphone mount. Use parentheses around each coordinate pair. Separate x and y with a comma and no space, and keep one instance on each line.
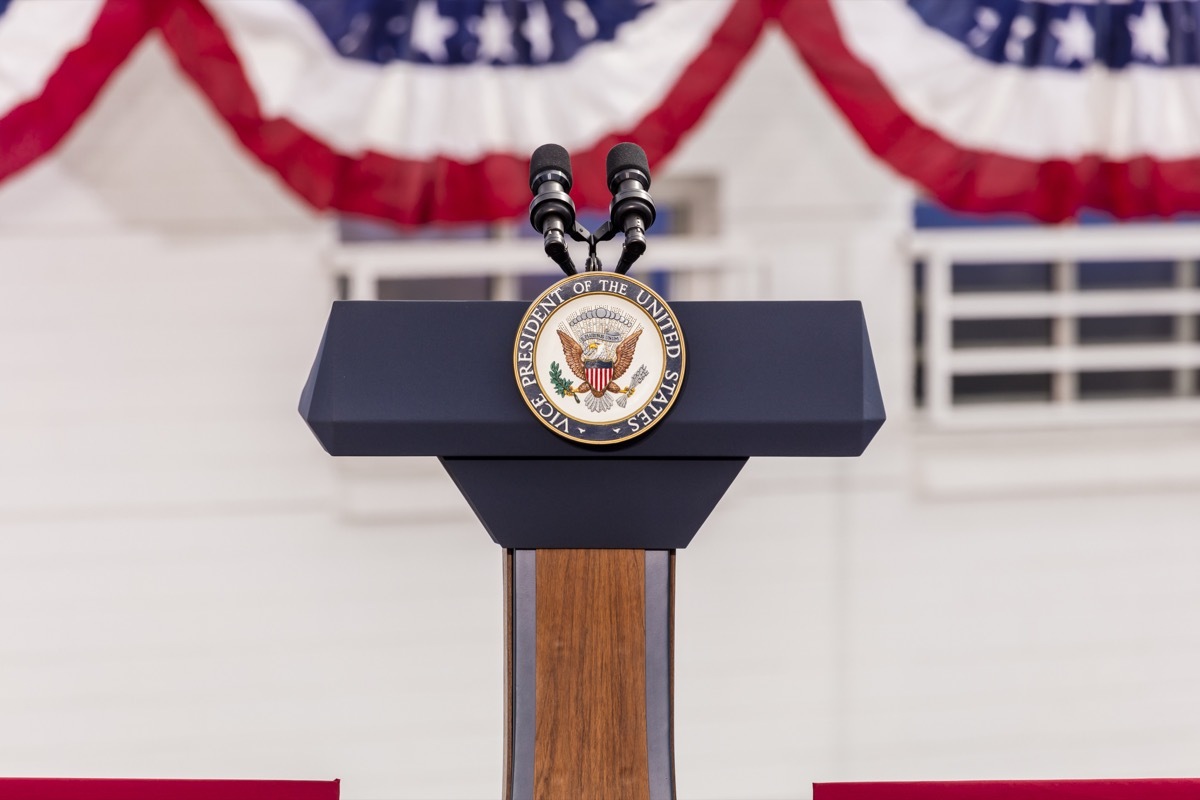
(556,246)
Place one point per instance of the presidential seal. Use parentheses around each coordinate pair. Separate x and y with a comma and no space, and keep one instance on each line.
(599,358)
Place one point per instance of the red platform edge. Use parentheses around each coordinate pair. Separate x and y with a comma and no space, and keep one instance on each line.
(148,789)
(1140,788)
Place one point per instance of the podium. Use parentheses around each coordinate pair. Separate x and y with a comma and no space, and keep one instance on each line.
(590,532)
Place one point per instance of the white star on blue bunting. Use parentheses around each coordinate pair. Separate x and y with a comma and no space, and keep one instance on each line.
(1150,34)
(1076,38)
(430,30)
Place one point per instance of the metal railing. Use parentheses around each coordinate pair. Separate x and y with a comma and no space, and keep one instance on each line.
(698,268)
(1062,302)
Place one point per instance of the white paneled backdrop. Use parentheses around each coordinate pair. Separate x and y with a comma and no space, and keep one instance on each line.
(189,587)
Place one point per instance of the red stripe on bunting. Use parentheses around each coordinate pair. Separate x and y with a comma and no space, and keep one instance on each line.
(32,129)
(145,789)
(1134,789)
(979,180)
(439,190)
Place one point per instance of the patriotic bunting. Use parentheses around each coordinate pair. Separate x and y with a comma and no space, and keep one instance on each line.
(421,110)
(54,59)
(1039,106)
(427,110)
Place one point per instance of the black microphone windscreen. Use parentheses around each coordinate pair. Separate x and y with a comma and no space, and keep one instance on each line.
(550,156)
(627,155)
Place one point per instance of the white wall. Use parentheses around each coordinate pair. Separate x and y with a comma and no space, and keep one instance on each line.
(183,595)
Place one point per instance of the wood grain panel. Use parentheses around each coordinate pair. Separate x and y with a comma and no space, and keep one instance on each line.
(591,676)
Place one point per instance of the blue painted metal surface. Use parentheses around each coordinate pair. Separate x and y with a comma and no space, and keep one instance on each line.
(436,379)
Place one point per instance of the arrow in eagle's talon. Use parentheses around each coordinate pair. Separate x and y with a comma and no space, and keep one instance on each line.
(639,376)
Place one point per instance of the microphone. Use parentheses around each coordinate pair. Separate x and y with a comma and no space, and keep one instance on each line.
(632,209)
(551,212)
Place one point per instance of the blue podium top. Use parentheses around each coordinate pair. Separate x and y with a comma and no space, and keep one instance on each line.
(404,378)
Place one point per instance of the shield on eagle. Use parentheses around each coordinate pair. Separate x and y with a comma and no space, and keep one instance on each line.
(599,373)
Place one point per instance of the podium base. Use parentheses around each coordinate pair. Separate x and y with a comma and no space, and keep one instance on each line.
(588,674)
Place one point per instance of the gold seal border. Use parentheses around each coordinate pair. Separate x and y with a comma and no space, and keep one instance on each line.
(658,329)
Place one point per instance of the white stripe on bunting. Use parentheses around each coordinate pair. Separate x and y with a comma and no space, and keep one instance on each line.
(1031,113)
(419,111)
(35,36)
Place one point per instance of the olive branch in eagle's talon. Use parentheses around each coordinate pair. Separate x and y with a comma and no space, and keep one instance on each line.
(562,386)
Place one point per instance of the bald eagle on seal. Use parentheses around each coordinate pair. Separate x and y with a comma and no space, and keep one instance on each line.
(579,356)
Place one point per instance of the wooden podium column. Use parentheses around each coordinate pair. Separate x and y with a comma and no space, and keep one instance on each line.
(588,674)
